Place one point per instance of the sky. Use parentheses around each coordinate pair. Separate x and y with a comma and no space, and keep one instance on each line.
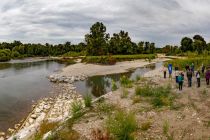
(57,21)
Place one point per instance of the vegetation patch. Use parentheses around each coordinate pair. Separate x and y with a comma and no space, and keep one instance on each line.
(159,96)
(88,100)
(126,82)
(122,125)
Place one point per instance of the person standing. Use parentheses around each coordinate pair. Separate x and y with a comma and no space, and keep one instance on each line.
(189,77)
(207,76)
(180,81)
(198,77)
(203,69)
(164,72)
(192,67)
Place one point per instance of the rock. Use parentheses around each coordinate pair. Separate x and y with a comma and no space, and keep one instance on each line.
(2,134)
(10,130)
(38,110)
(1,138)
(47,135)
(31,120)
(17,126)
(33,116)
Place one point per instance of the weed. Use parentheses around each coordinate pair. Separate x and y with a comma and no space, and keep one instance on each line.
(160,96)
(105,108)
(136,99)
(97,134)
(76,109)
(165,127)
(114,85)
(146,125)
(124,93)
(122,125)
(126,82)
(88,100)
(138,78)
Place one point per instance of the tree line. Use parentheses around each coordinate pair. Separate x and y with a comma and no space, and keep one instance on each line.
(96,43)
(196,44)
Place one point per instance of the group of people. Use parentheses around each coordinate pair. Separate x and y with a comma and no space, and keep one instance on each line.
(190,72)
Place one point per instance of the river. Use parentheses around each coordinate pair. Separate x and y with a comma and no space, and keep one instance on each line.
(23,82)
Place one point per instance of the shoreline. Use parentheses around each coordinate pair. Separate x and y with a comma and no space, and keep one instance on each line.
(23,132)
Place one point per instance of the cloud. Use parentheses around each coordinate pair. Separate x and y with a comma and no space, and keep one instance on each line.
(56,21)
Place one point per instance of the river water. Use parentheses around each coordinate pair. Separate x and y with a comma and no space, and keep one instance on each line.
(22,82)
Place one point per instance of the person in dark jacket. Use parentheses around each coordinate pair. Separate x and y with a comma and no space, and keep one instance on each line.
(180,81)
(203,69)
(198,77)
(189,77)
(207,76)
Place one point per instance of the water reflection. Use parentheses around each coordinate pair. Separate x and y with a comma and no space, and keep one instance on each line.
(20,84)
(100,85)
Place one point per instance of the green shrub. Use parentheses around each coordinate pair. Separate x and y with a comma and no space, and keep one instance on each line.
(160,96)
(5,55)
(88,100)
(126,82)
(122,125)
(74,54)
(114,85)
(105,107)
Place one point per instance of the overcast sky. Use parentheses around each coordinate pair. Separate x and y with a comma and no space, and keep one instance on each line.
(56,21)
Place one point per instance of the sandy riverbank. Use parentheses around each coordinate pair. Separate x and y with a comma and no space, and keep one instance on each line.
(93,69)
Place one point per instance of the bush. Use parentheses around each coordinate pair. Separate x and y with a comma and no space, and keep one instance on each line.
(105,108)
(5,55)
(76,109)
(122,125)
(88,100)
(15,54)
(74,54)
(114,85)
(126,82)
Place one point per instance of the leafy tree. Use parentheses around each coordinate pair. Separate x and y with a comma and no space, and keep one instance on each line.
(97,40)
(199,43)
(186,44)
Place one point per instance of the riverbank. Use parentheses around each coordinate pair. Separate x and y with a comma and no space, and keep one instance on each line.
(47,108)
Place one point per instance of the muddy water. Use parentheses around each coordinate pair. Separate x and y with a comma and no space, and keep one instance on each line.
(23,82)
(100,85)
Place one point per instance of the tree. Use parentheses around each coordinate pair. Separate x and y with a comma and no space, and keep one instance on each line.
(186,44)
(199,43)
(97,40)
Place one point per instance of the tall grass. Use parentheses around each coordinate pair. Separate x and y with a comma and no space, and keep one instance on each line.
(198,61)
(122,125)
(126,82)
(88,100)
(160,96)
(76,109)
(117,58)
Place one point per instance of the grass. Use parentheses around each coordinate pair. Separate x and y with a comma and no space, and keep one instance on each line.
(198,61)
(124,93)
(74,54)
(105,108)
(159,96)
(126,82)
(114,85)
(146,125)
(122,125)
(88,100)
(117,58)
(76,109)
(136,99)
(44,128)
